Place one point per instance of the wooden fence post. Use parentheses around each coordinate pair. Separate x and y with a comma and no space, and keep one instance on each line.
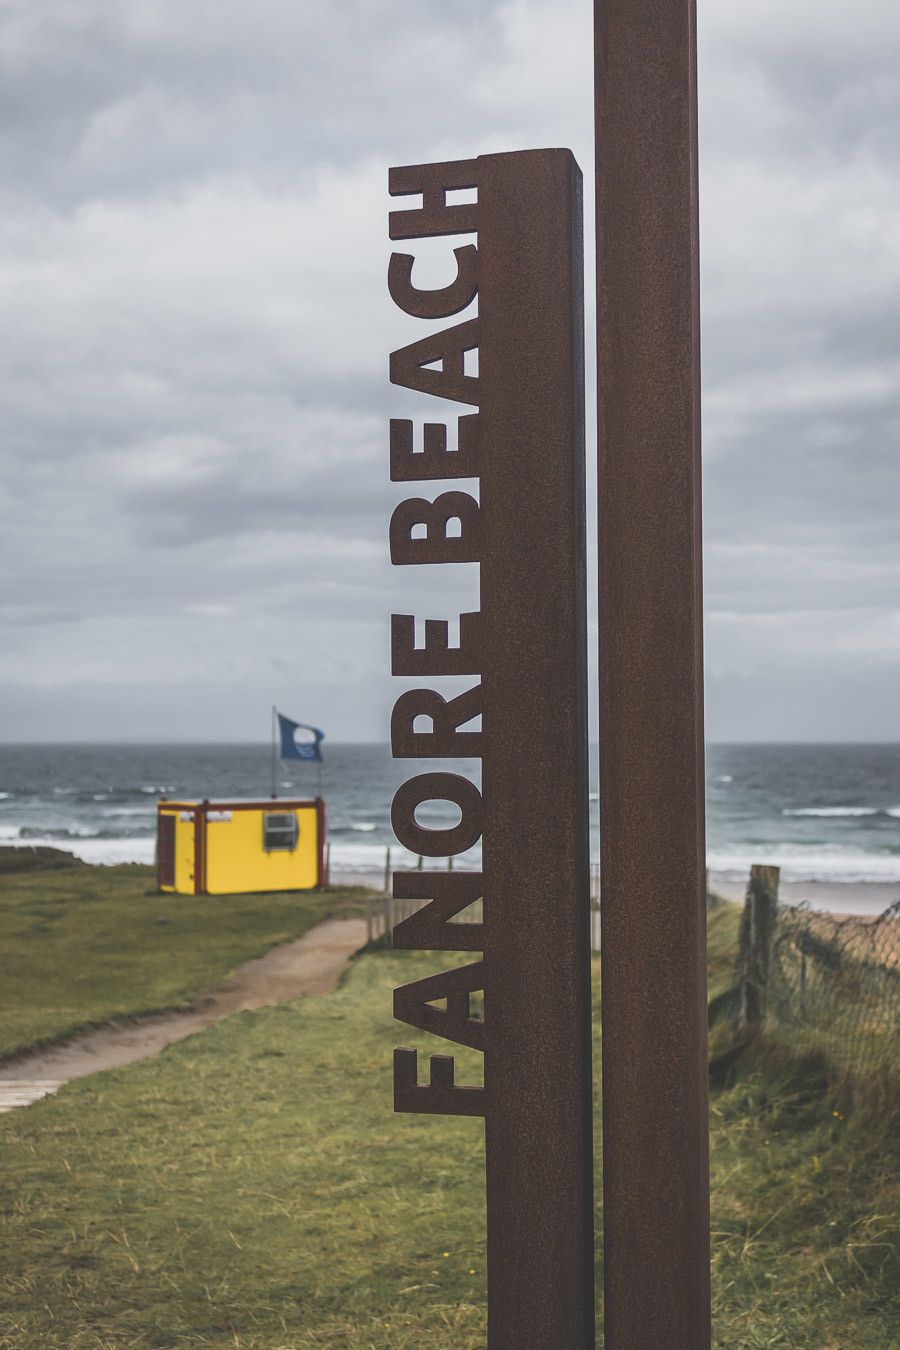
(387,870)
(757,932)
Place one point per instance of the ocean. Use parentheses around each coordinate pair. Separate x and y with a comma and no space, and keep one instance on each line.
(823,813)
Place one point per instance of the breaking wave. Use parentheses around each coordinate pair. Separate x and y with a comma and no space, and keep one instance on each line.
(808,863)
(835,812)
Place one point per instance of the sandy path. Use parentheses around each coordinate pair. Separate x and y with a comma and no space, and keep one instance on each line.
(312,964)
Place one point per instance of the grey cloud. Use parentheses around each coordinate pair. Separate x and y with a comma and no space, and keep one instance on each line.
(194,320)
(106,99)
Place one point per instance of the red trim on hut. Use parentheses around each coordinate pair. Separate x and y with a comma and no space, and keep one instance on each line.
(200,848)
(320,826)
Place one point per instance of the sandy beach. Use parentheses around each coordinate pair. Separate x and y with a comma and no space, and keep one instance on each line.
(833,897)
(852,898)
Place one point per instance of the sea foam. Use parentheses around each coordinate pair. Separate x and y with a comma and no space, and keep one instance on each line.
(835,812)
(808,863)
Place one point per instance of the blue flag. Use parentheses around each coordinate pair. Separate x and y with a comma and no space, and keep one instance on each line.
(299,741)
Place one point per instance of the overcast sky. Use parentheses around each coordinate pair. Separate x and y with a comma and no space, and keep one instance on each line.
(195,328)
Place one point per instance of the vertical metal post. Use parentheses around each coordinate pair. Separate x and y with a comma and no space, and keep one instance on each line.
(274,759)
(535,789)
(655,1143)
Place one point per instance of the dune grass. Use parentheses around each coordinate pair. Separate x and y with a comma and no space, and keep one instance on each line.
(80,946)
(251,1187)
(805,1203)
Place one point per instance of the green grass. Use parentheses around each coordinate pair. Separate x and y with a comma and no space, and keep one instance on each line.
(723,923)
(805,1206)
(251,1187)
(85,945)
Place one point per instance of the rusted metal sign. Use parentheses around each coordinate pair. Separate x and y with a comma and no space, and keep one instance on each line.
(525,446)
(655,1164)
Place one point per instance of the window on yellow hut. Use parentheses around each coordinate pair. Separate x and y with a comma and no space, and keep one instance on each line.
(280,831)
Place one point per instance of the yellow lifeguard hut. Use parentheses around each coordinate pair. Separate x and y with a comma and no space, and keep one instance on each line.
(225,847)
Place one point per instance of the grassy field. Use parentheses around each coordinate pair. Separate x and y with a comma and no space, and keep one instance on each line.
(84,945)
(250,1187)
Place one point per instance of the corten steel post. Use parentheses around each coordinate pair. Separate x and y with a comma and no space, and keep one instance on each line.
(655,1149)
(535,842)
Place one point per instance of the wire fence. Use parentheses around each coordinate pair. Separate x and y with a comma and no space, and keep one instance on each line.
(830,984)
(822,982)
(836,984)
(383,913)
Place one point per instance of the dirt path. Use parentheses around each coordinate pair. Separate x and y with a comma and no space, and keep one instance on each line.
(312,964)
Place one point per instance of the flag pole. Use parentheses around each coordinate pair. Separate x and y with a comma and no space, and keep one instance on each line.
(274,751)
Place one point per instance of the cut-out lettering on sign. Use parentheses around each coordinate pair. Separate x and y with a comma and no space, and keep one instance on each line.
(443,528)
(516,702)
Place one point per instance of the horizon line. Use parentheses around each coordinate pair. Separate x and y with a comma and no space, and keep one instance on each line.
(265,744)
